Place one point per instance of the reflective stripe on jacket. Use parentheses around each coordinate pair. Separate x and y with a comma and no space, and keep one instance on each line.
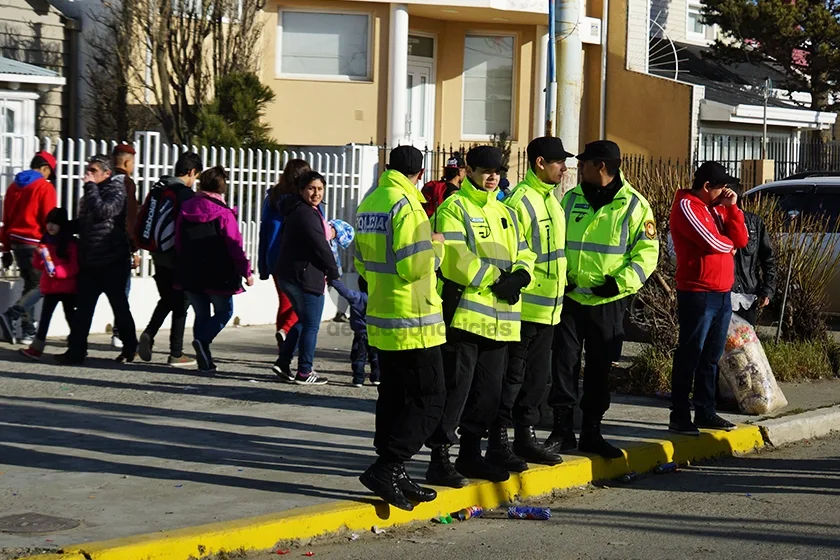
(544,225)
(619,240)
(483,238)
(396,255)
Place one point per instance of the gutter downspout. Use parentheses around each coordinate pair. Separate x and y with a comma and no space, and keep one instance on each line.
(605,20)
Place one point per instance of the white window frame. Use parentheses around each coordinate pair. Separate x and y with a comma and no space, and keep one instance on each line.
(690,34)
(514,83)
(278,62)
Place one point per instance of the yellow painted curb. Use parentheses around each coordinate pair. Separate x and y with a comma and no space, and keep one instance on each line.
(265,531)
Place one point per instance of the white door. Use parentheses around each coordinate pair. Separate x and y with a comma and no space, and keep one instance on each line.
(420,117)
(17,134)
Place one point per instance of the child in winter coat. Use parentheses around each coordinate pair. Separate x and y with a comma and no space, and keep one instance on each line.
(361,350)
(211,261)
(57,259)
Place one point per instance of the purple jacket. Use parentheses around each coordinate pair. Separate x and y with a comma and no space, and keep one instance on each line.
(202,209)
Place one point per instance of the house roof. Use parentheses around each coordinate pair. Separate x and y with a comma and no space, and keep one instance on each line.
(21,72)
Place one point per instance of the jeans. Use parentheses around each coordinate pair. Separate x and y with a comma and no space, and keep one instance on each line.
(704,321)
(361,353)
(93,282)
(171,301)
(49,306)
(309,309)
(24,308)
(208,325)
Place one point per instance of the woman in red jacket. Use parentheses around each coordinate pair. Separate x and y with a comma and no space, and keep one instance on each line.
(57,259)
(707,228)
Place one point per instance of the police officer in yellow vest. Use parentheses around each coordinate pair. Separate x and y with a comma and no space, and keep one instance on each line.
(611,249)
(529,364)
(487,263)
(398,255)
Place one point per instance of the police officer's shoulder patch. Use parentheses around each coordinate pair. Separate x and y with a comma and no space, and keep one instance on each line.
(650,229)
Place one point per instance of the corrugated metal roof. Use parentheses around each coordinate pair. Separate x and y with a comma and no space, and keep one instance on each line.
(9,66)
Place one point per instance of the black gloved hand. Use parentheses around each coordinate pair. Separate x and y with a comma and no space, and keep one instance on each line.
(509,285)
(569,288)
(608,290)
(513,300)
(7,260)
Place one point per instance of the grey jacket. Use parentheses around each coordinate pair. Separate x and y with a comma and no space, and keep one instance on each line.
(102,229)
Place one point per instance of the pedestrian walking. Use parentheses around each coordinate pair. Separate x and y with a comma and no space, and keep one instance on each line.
(57,259)
(361,352)
(529,362)
(708,230)
(27,202)
(755,267)
(156,231)
(486,265)
(104,264)
(211,261)
(397,254)
(304,266)
(271,226)
(612,247)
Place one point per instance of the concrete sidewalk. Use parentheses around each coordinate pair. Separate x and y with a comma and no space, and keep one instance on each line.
(142,448)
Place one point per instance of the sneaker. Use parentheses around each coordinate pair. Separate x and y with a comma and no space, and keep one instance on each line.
(183,361)
(684,428)
(358,382)
(32,354)
(374,381)
(311,378)
(68,359)
(280,337)
(283,371)
(7,329)
(144,348)
(203,358)
(714,423)
(26,339)
(116,342)
(126,358)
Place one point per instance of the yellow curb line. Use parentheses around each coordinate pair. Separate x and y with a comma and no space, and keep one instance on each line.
(260,533)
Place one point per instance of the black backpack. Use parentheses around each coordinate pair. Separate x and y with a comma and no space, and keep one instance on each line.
(204,263)
(155,227)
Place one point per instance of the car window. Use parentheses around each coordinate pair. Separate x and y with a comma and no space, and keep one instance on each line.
(789,198)
(826,202)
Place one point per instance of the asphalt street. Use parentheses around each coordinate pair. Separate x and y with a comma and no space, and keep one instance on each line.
(776,504)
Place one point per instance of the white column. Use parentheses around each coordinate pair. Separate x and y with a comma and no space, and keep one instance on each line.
(569,73)
(541,70)
(397,74)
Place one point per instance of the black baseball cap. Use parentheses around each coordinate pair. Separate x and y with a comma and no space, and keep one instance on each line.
(408,160)
(488,157)
(548,147)
(455,162)
(713,173)
(600,149)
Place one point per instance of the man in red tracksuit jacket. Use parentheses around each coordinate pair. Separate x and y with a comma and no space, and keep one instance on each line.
(707,229)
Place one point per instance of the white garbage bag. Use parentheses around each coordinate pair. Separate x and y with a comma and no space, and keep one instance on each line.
(745,371)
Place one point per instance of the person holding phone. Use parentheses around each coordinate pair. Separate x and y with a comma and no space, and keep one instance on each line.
(708,230)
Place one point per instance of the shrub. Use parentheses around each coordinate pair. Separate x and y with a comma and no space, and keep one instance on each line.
(649,373)
(795,361)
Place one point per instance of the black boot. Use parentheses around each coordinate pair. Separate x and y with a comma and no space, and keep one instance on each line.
(591,441)
(412,490)
(441,472)
(381,479)
(471,464)
(562,437)
(525,445)
(500,454)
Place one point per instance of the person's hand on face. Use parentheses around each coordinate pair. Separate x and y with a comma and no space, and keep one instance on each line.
(728,197)
(94,174)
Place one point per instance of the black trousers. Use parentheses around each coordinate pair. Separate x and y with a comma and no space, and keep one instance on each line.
(171,301)
(526,379)
(475,369)
(93,282)
(48,307)
(410,404)
(600,330)
(360,354)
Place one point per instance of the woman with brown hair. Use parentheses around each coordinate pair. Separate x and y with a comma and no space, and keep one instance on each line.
(269,249)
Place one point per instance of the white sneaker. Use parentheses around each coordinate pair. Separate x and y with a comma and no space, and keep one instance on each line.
(311,379)
(116,342)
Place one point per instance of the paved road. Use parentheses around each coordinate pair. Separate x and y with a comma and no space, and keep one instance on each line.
(779,504)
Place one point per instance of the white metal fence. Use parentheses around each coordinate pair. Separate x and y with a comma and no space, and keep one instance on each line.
(350,170)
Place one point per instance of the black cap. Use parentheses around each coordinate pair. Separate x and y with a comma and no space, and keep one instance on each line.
(713,173)
(488,157)
(408,160)
(455,162)
(548,147)
(600,149)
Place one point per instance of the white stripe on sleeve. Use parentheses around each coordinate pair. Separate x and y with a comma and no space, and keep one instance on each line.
(698,226)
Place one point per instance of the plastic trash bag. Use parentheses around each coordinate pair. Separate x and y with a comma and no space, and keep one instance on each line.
(745,371)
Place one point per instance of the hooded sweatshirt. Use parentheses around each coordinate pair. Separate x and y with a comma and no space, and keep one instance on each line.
(28,201)
(210,254)
(63,278)
(305,255)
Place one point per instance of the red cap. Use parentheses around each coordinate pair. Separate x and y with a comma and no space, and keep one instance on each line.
(48,157)
(124,149)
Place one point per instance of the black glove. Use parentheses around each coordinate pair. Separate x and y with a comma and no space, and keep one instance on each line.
(608,290)
(509,285)
(569,288)
(7,260)
(513,300)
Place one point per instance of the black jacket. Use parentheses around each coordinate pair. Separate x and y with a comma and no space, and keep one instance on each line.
(103,237)
(305,255)
(758,254)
